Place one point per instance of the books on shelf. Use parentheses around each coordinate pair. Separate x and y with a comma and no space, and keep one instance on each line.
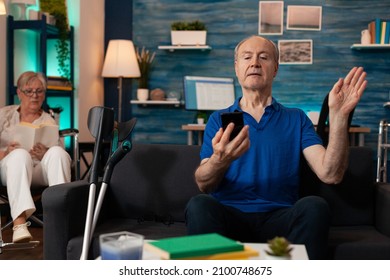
(27,134)
(383,30)
(202,246)
(387,32)
(58,83)
(379,31)
(378,28)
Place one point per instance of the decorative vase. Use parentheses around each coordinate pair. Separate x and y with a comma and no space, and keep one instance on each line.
(188,38)
(142,94)
(200,120)
(157,94)
(366,37)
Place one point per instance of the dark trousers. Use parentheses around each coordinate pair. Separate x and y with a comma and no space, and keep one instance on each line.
(306,222)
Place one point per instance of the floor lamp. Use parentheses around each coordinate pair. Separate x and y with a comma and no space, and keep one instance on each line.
(3,11)
(120,62)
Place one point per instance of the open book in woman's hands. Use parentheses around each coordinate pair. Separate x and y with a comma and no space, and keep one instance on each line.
(27,135)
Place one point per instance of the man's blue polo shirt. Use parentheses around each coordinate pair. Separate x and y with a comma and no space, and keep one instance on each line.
(266,177)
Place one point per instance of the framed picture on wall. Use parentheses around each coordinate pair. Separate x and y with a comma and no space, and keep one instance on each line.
(304,17)
(271,17)
(295,51)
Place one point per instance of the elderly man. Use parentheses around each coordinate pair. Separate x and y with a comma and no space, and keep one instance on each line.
(251,183)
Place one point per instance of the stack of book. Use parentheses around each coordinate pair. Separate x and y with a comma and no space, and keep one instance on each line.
(210,246)
(58,83)
(379,31)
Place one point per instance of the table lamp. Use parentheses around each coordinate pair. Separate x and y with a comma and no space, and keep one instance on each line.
(120,62)
(3,11)
(23,6)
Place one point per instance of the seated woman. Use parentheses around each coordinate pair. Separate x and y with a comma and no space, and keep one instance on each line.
(19,168)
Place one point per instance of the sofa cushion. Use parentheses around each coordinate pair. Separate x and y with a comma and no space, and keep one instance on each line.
(358,243)
(154,182)
(352,201)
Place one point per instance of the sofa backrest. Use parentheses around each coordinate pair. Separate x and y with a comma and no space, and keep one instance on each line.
(352,201)
(154,182)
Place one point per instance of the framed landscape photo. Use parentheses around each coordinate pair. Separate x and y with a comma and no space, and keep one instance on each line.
(295,51)
(271,17)
(304,17)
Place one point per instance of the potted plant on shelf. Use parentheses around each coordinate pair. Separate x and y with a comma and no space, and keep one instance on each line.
(145,60)
(279,248)
(192,33)
(201,117)
(58,9)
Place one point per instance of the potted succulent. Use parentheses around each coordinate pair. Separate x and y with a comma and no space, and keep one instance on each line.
(145,60)
(192,33)
(279,248)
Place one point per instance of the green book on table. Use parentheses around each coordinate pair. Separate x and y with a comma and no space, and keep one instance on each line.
(193,246)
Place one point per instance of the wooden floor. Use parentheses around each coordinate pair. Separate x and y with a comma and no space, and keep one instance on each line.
(24,254)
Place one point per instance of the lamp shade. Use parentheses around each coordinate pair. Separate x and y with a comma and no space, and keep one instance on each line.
(121,60)
(3,11)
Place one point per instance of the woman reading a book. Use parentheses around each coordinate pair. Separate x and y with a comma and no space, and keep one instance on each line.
(22,168)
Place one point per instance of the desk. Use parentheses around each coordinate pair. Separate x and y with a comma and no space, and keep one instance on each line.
(354,132)
(298,252)
(190,128)
(358,131)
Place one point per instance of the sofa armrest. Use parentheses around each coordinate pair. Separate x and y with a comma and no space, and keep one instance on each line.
(382,208)
(64,213)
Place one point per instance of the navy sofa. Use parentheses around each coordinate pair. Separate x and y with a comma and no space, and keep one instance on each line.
(151,186)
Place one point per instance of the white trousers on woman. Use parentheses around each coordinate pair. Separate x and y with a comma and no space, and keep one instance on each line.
(19,172)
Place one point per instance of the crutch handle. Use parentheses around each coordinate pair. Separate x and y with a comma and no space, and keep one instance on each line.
(120,152)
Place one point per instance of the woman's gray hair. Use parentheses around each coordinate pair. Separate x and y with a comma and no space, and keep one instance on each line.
(276,50)
(29,76)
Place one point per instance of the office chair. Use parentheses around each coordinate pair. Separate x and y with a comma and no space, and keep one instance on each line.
(323,121)
(36,191)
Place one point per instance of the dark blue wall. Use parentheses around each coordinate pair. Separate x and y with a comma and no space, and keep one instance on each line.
(228,22)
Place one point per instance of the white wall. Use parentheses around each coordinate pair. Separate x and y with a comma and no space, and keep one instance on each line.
(3,59)
(87,17)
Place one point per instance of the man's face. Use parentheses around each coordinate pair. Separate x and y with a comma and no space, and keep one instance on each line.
(255,65)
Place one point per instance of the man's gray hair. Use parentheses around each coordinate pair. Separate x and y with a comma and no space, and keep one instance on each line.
(276,50)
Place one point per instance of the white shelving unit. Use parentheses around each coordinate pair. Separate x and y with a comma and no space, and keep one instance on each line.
(360,47)
(196,47)
(175,103)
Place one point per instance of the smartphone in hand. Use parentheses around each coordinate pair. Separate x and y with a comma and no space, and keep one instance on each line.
(236,118)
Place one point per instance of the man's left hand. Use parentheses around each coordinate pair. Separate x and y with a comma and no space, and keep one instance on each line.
(347,92)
